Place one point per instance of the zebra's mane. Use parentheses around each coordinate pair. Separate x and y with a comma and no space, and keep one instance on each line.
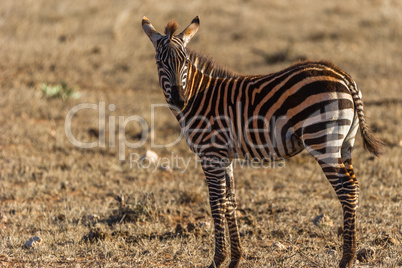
(208,66)
(171,28)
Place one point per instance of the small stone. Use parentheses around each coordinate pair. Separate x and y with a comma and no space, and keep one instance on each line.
(323,220)
(33,242)
(150,156)
(365,254)
(279,246)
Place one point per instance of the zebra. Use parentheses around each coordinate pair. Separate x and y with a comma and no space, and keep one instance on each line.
(310,105)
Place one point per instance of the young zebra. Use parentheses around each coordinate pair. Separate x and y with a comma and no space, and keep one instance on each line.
(310,105)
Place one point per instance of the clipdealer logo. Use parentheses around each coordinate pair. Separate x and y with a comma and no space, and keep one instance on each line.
(257,125)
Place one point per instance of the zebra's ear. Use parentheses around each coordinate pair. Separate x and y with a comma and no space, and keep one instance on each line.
(190,31)
(150,30)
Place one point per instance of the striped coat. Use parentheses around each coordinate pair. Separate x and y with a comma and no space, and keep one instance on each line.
(310,105)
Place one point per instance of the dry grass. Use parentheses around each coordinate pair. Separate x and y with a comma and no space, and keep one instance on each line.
(67,195)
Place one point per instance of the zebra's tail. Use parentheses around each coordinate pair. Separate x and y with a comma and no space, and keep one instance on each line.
(370,142)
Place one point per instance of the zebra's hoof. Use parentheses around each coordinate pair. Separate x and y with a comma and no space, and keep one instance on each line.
(346,262)
(234,263)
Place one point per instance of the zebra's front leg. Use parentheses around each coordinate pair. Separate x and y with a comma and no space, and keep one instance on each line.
(216,180)
(235,246)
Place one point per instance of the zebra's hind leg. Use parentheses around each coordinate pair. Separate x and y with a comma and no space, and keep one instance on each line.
(348,164)
(215,174)
(346,188)
(346,151)
(235,246)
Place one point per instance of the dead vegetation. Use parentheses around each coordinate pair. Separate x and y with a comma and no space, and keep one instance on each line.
(90,208)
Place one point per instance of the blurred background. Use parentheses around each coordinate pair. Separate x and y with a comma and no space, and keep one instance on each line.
(101,45)
(55,55)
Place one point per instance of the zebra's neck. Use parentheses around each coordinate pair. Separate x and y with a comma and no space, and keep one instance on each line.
(202,72)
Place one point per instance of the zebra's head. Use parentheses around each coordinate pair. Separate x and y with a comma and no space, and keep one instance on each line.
(172,58)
